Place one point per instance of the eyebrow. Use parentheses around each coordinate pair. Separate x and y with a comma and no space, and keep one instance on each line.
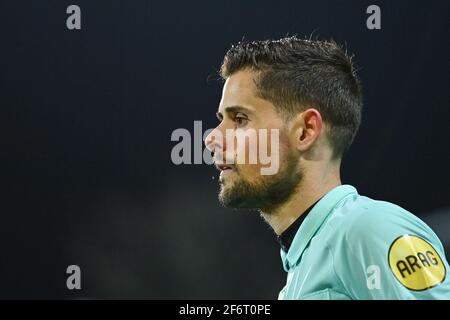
(233,109)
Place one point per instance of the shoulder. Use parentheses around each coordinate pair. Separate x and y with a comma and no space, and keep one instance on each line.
(385,218)
(357,214)
(362,221)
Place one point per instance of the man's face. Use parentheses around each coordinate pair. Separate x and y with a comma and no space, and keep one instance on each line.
(244,116)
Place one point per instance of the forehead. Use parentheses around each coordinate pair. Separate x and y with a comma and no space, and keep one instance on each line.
(240,83)
(240,90)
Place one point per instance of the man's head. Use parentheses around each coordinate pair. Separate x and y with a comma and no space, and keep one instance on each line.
(307,91)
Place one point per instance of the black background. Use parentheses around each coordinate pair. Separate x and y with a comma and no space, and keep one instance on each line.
(87,117)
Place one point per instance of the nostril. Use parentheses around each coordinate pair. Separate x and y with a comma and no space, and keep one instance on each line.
(214,140)
(210,146)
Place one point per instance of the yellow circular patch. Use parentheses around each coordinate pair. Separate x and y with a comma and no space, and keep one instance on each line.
(415,263)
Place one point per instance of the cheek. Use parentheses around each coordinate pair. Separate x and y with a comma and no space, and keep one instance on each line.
(267,149)
(247,145)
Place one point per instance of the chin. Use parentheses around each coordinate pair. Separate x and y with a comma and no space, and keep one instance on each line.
(228,199)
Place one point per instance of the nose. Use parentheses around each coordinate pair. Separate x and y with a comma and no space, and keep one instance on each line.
(214,141)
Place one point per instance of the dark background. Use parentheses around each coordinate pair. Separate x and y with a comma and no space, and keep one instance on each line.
(87,115)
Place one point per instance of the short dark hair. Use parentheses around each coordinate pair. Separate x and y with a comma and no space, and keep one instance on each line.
(297,73)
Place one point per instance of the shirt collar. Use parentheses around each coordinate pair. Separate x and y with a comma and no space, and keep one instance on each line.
(312,223)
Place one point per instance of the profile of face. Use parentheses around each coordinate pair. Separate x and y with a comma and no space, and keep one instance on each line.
(242,184)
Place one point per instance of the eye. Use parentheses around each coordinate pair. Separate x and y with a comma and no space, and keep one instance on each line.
(240,119)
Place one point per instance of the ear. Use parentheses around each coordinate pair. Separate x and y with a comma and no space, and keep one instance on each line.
(306,128)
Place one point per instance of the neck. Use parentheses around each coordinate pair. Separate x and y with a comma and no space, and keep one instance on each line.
(313,186)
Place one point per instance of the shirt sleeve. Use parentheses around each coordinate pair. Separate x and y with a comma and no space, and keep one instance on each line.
(385,252)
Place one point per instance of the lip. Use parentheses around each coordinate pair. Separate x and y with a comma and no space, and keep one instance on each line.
(225,174)
(225,170)
(223,167)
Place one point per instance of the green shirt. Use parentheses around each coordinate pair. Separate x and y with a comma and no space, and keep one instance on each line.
(353,247)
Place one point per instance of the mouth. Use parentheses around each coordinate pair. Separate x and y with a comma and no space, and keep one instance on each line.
(225,171)
(223,167)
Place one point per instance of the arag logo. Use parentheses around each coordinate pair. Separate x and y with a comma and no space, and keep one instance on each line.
(415,263)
